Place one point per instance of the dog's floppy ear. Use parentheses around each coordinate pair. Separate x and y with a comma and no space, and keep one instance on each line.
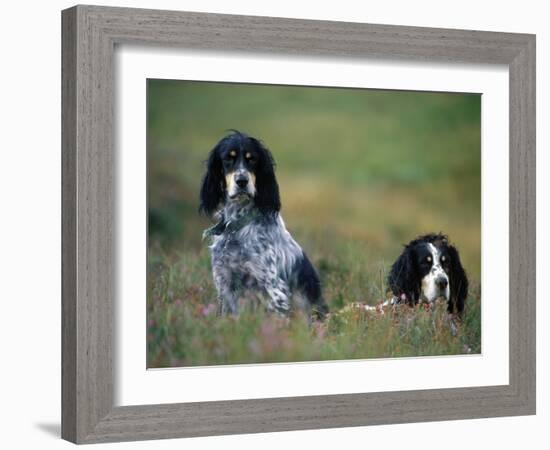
(458,281)
(403,278)
(267,198)
(213,183)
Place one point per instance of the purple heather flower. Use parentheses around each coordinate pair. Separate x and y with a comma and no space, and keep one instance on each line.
(208,309)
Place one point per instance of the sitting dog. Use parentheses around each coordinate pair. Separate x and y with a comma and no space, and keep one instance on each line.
(251,249)
(428,269)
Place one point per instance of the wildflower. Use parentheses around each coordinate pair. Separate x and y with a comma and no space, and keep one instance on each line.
(208,309)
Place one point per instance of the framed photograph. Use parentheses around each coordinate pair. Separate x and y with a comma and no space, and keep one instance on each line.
(278,224)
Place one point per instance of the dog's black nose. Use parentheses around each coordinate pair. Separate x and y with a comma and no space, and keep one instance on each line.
(242,181)
(441,282)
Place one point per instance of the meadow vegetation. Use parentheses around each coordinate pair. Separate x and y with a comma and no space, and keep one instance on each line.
(361,173)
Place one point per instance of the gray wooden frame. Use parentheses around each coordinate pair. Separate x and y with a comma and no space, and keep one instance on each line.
(89,37)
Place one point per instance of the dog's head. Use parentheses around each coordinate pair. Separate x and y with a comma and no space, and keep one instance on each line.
(240,169)
(428,269)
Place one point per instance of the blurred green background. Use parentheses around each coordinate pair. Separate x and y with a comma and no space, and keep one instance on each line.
(367,168)
(361,172)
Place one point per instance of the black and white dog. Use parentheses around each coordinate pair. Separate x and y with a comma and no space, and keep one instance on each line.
(428,269)
(251,251)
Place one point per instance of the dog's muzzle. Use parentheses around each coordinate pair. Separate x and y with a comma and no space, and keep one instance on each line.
(241,180)
(240,184)
(441,283)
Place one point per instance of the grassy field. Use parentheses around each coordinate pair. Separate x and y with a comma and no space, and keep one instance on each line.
(361,173)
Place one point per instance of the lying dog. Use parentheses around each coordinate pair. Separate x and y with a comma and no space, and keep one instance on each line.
(428,269)
(251,250)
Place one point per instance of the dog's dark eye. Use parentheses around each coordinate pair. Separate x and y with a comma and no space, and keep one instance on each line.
(230,157)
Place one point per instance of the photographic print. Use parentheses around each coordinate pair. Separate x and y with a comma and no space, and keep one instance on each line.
(297,223)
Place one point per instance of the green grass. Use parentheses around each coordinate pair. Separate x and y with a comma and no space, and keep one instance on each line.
(184,329)
(361,172)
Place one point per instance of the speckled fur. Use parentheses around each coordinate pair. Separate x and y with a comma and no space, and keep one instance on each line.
(254,257)
(260,256)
